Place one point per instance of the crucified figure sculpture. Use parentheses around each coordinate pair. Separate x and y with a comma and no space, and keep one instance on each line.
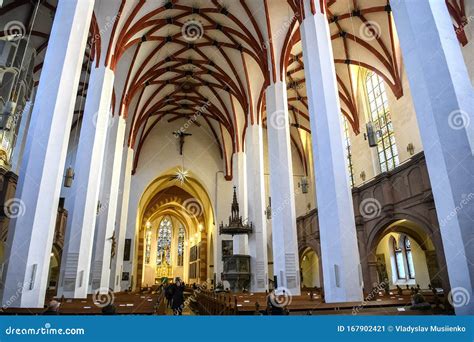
(181,135)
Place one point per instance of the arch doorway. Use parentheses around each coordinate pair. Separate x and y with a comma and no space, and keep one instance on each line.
(310,271)
(53,273)
(406,256)
(175,219)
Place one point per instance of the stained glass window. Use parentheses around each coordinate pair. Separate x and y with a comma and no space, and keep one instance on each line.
(381,118)
(163,245)
(147,244)
(180,245)
(347,144)
(399,262)
(411,267)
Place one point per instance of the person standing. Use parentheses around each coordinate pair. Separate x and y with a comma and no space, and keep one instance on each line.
(169,294)
(274,304)
(178,297)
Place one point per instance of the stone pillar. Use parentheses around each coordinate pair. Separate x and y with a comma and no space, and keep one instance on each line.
(241,242)
(77,254)
(285,243)
(363,251)
(256,209)
(19,148)
(373,273)
(107,235)
(444,101)
(31,234)
(122,217)
(340,253)
(202,270)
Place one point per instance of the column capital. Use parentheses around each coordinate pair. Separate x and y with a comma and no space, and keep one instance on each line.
(313,7)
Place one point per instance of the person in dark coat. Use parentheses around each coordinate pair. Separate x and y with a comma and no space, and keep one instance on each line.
(169,294)
(178,297)
(274,304)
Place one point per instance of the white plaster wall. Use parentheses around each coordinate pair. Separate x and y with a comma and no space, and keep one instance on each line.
(362,158)
(303,202)
(404,121)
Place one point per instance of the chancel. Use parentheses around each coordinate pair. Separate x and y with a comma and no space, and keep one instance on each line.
(325,156)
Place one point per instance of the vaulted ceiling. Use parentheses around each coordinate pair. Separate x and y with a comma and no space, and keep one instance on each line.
(205,62)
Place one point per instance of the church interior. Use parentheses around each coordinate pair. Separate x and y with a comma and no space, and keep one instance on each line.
(274,156)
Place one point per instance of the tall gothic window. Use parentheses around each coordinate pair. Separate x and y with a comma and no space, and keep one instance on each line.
(411,267)
(147,244)
(399,262)
(347,143)
(180,245)
(381,118)
(163,245)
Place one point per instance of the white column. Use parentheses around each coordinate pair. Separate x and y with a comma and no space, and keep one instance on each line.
(77,253)
(285,244)
(241,242)
(222,205)
(444,101)
(99,231)
(122,217)
(20,143)
(256,209)
(30,236)
(339,249)
(106,234)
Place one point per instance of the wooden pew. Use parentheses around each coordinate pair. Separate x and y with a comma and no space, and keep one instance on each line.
(125,304)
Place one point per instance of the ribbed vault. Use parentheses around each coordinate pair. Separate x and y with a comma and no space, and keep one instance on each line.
(206,63)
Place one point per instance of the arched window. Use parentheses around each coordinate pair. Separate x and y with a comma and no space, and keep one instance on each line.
(163,246)
(147,243)
(180,245)
(411,267)
(399,263)
(347,143)
(381,118)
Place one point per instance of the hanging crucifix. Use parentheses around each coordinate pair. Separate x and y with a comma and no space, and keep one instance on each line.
(181,135)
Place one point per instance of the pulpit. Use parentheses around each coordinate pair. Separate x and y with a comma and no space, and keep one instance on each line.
(237,266)
(237,271)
